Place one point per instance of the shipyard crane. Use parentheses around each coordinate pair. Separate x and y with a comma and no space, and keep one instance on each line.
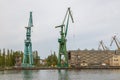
(101,44)
(62,40)
(28,56)
(107,54)
(116,42)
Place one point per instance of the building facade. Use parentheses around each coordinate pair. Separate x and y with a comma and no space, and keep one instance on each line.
(79,58)
(115,60)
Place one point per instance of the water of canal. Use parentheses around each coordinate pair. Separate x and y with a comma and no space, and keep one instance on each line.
(60,75)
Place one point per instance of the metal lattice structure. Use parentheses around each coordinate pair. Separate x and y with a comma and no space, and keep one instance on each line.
(28,56)
(63,62)
(114,38)
(103,46)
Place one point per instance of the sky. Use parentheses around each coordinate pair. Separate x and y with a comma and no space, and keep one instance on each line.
(94,20)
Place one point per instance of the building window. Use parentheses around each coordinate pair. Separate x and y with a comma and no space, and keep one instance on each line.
(69,55)
(115,59)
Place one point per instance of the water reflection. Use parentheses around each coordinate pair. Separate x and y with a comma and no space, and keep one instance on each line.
(27,75)
(60,75)
(63,75)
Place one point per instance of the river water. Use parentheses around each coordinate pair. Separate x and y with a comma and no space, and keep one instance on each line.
(60,75)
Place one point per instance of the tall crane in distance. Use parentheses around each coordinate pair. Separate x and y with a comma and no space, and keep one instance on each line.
(62,40)
(116,42)
(28,56)
(101,44)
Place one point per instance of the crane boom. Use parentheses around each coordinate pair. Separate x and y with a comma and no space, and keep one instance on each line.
(67,16)
(30,23)
(67,27)
(103,46)
(116,42)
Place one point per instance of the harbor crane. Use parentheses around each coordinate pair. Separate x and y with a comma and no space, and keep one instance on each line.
(116,42)
(28,56)
(101,44)
(107,54)
(62,41)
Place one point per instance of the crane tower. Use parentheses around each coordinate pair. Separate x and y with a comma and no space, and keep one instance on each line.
(28,56)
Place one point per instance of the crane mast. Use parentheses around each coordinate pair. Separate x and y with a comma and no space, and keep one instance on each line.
(116,42)
(28,56)
(62,40)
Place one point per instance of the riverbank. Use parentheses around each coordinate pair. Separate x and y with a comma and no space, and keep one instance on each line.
(79,68)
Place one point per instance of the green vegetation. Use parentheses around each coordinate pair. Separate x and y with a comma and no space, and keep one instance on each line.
(51,60)
(36,59)
(8,58)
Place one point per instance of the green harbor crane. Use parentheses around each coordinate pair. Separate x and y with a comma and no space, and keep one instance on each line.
(28,56)
(63,61)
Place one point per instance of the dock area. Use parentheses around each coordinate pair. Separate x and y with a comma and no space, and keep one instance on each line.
(79,68)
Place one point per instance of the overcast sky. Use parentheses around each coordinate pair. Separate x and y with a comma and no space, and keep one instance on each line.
(94,20)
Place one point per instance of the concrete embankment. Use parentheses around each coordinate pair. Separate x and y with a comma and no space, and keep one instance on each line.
(79,68)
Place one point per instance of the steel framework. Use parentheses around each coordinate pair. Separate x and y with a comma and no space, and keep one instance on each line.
(63,62)
(28,56)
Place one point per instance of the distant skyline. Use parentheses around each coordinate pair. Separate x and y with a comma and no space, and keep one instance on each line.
(94,20)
